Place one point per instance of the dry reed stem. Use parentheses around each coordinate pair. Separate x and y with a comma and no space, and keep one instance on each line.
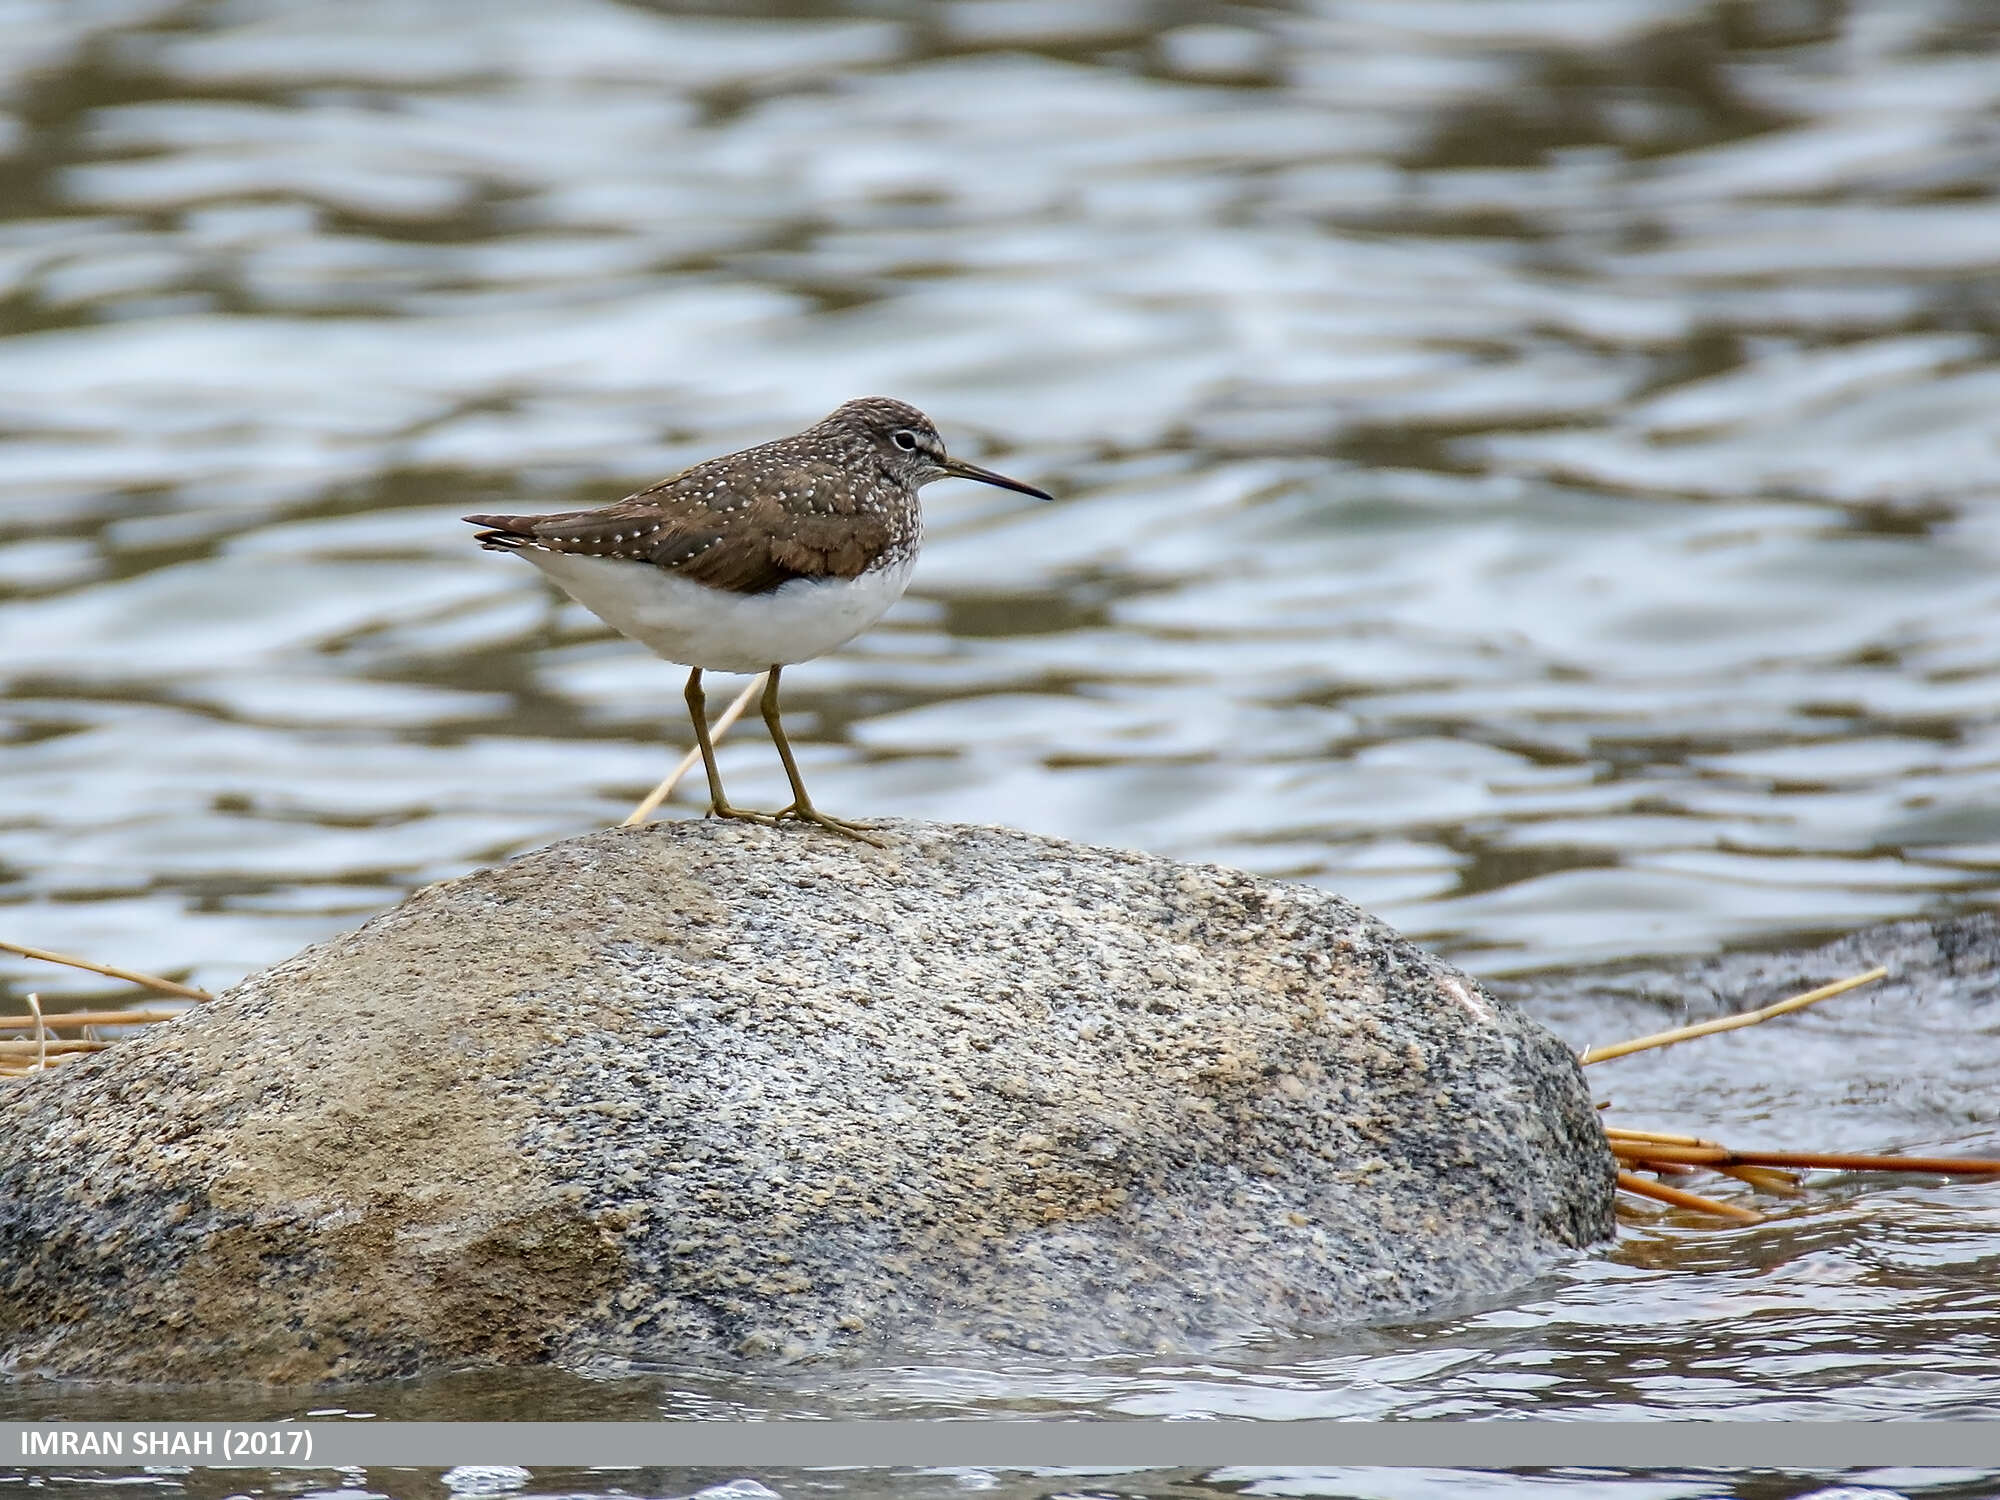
(1766,1180)
(1620,1133)
(131,976)
(1836,1161)
(41,1031)
(63,1020)
(1635,1142)
(21,1068)
(1731,1023)
(1681,1198)
(43,1047)
(665,789)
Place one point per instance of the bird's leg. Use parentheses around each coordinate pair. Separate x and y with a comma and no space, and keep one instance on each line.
(718,804)
(802,807)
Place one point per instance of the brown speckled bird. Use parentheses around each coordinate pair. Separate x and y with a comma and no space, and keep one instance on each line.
(757,559)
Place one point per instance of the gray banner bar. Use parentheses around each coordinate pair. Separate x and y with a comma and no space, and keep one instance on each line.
(1001,1444)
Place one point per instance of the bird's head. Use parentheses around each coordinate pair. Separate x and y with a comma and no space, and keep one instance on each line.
(907,444)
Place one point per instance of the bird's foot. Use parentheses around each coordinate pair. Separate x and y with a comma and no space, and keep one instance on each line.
(805,812)
(744,814)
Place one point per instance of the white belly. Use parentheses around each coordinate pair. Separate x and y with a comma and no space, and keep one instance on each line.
(697,626)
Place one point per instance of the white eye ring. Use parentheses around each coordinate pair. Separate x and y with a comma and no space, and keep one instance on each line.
(905,439)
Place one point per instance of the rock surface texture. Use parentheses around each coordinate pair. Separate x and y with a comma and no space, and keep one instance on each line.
(706,1091)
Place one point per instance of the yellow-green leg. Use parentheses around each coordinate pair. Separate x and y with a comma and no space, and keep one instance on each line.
(718,804)
(802,807)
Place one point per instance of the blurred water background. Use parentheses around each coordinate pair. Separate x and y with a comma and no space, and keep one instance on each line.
(1528,465)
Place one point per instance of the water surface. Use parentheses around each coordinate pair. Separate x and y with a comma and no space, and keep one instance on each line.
(1528,467)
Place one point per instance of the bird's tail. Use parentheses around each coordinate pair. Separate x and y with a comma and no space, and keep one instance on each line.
(506,533)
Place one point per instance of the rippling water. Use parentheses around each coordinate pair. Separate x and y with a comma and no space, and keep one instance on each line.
(1528,466)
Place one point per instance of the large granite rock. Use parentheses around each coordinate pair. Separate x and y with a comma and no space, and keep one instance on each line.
(705,1091)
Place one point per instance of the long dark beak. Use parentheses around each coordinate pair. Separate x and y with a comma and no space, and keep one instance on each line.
(958,468)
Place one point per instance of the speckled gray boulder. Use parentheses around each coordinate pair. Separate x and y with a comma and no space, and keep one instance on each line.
(704,1091)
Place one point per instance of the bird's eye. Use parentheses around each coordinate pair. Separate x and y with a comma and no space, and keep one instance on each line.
(905,439)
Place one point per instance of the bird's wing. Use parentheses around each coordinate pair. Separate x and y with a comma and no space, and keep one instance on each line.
(719,525)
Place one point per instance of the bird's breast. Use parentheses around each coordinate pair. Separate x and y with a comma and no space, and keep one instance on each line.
(687,622)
